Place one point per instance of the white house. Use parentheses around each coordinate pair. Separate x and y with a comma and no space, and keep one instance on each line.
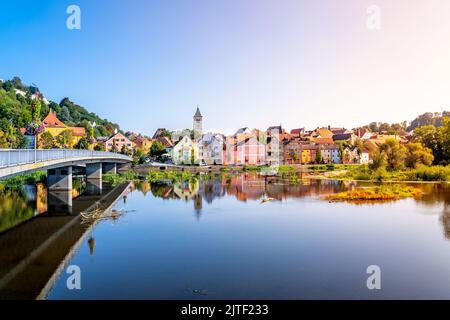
(183,151)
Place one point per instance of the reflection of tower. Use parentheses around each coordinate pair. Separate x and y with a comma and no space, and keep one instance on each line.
(198,204)
(198,129)
(91,243)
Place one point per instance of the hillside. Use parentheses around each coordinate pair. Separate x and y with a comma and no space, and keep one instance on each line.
(18,107)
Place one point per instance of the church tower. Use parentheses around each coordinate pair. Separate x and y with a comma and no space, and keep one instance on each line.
(198,129)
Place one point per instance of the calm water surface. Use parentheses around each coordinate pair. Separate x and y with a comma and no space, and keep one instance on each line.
(219,240)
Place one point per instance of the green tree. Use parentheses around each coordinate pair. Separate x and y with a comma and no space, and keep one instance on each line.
(319,158)
(192,156)
(417,154)
(36,110)
(83,144)
(46,141)
(65,139)
(157,149)
(125,150)
(445,138)
(379,160)
(430,137)
(395,153)
(138,157)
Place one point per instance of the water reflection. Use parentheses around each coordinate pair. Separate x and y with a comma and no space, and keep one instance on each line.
(253,187)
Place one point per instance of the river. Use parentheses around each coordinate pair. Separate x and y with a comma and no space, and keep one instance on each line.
(244,237)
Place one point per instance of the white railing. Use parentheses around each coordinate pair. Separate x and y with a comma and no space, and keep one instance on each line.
(16,157)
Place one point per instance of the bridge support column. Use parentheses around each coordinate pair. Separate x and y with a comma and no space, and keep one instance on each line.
(94,178)
(59,179)
(109,167)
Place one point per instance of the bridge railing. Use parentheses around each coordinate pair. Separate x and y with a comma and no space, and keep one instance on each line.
(16,157)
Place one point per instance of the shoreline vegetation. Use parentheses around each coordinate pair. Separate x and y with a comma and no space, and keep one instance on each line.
(379,193)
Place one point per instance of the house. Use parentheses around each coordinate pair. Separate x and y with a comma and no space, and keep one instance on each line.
(348,137)
(321,140)
(211,149)
(160,132)
(363,134)
(142,143)
(330,153)
(54,126)
(350,156)
(297,133)
(292,151)
(364,158)
(274,150)
(118,143)
(250,152)
(185,152)
(322,133)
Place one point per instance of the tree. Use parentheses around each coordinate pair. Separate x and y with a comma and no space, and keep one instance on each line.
(341,151)
(379,160)
(157,149)
(138,157)
(192,156)
(294,155)
(395,153)
(319,158)
(445,138)
(125,150)
(65,139)
(65,114)
(83,144)
(46,141)
(114,146)
(359,145)
(431,138)
(417,154)
(99,147)
(36,110)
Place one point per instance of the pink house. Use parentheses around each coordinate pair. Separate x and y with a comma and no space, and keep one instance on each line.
(250,152)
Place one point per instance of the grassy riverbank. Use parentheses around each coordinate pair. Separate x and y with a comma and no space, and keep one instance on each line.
(18,181)
(423,173)
(379,193)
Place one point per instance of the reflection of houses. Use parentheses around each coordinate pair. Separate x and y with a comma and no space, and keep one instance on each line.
(186,190)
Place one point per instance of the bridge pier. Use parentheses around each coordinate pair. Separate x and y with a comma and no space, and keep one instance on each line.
(59,179)
(109,167)
(94,183)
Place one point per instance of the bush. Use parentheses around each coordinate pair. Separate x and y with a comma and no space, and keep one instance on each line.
(435,173)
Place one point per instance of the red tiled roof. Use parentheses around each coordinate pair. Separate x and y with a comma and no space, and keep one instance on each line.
(51,121)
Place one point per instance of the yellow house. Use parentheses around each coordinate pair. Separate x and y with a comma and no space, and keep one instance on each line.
(306,156)
(55,126)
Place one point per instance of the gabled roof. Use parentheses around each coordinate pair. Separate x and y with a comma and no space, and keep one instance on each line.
(51,121)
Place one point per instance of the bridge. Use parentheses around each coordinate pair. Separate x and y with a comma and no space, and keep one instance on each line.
(59,164)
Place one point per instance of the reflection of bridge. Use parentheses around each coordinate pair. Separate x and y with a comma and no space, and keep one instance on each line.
(34,253)
(59,164)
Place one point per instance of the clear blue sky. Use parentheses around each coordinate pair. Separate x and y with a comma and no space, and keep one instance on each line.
(147,64)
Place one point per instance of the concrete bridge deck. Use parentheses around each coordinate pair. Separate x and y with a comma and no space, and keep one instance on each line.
(20,161)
